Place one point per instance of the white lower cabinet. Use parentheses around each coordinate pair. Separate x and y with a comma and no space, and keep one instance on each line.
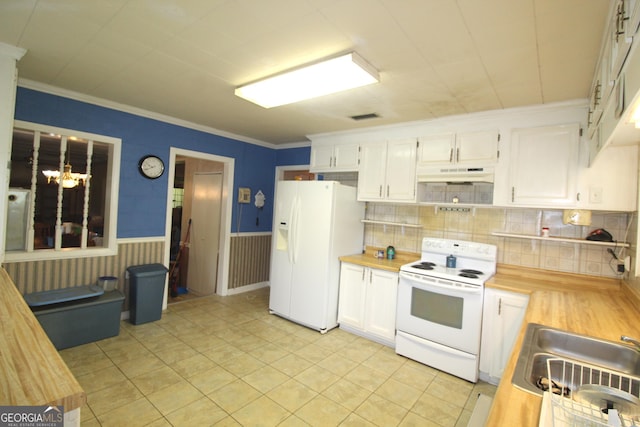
(501,321)
(367,304)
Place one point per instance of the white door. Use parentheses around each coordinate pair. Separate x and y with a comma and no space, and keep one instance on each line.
(282,247)
(436,149)
(511,311)
(352,293)
(205,233)
(371,176)
(321,158)
(477,147)
(346,157)
(543,165)
(382,290)
(401,170)
(311,249)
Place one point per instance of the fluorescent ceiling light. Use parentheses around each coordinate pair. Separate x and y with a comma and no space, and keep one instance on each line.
(322,78)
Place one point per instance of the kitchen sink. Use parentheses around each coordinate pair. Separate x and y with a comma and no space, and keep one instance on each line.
(543,342)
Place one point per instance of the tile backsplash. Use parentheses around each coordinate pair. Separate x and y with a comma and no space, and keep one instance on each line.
(478,224)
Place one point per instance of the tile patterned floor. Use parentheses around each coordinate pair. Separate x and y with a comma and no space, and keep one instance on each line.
(226,361)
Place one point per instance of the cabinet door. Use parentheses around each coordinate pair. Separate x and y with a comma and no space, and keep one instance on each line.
(352,295)
(621,35)
(436,149)
(321,158)
(346,157)
(401,170)
(371,177)
(511,311)
(501,322)
(477,148)
(380,303)
(543,165)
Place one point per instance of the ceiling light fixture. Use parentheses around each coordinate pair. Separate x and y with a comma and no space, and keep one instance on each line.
(69,179)
(322,78)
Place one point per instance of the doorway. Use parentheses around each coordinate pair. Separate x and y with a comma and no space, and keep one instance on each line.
(200,164)
(205,233)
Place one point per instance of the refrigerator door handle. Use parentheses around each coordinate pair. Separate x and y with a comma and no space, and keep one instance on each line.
(290,231)
(294,233)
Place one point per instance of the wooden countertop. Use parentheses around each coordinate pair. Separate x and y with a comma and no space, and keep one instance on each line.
(31,369)
(368,259)
(603,308)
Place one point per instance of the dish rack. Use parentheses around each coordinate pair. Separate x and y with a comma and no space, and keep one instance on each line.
(568,377)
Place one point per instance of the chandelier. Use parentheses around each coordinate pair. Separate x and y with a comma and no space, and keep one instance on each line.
(67,178)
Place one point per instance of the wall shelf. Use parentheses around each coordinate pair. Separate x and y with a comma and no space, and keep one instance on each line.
(393,224)
(562,239)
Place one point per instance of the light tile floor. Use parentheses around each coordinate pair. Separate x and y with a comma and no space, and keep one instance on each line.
(227,361)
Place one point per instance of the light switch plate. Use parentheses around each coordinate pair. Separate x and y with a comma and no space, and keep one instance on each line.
(595,195)
(244,195)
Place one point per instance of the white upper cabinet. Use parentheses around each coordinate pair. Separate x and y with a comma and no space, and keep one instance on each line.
(372,175)
(467,148)
(329,157)
(388,171)
(436,149)
(610,183)
(616,82)
(543,166)
(621,32)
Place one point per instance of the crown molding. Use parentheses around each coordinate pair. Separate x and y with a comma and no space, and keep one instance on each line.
(54,90)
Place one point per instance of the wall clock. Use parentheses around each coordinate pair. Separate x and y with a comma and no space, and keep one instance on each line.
(151,167)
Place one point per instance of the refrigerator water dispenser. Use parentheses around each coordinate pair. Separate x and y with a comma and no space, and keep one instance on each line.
(282,237)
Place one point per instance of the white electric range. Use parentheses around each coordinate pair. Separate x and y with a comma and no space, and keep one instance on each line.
(439,308)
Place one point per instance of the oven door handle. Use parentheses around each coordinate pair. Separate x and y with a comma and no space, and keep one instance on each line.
(466,290)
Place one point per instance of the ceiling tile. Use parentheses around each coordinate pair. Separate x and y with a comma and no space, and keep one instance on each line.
(435,57)
(13,19)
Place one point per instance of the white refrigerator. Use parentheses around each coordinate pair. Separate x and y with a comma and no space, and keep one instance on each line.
(314,223)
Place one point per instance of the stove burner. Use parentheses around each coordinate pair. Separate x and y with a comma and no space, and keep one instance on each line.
(424,266)
(468,275)
(470,271)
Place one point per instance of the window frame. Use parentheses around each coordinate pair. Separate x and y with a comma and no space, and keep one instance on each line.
(110,245)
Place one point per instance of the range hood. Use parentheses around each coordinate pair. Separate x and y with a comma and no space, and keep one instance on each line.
(456,174)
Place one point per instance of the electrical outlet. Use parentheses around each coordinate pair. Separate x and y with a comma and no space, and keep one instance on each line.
(244,195)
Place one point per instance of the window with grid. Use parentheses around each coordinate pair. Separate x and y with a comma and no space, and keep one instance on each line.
(62,199)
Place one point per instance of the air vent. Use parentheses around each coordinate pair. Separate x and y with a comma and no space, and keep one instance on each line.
(365,116)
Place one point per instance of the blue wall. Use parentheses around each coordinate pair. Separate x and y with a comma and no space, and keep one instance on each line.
(142,203)
(293,156)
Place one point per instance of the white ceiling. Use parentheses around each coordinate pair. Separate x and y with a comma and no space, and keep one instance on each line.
(183,58)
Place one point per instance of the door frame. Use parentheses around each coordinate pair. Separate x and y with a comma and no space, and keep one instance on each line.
(226,205)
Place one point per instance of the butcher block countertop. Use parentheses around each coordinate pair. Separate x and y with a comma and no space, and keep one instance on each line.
(602,308)
(368,259)
(31,370)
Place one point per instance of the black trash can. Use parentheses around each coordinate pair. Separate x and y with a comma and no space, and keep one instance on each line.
(146,290)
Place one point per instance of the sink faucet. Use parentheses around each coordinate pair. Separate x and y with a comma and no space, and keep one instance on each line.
(632,341)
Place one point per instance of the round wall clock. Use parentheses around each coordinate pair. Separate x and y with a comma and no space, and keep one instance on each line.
(151,167)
